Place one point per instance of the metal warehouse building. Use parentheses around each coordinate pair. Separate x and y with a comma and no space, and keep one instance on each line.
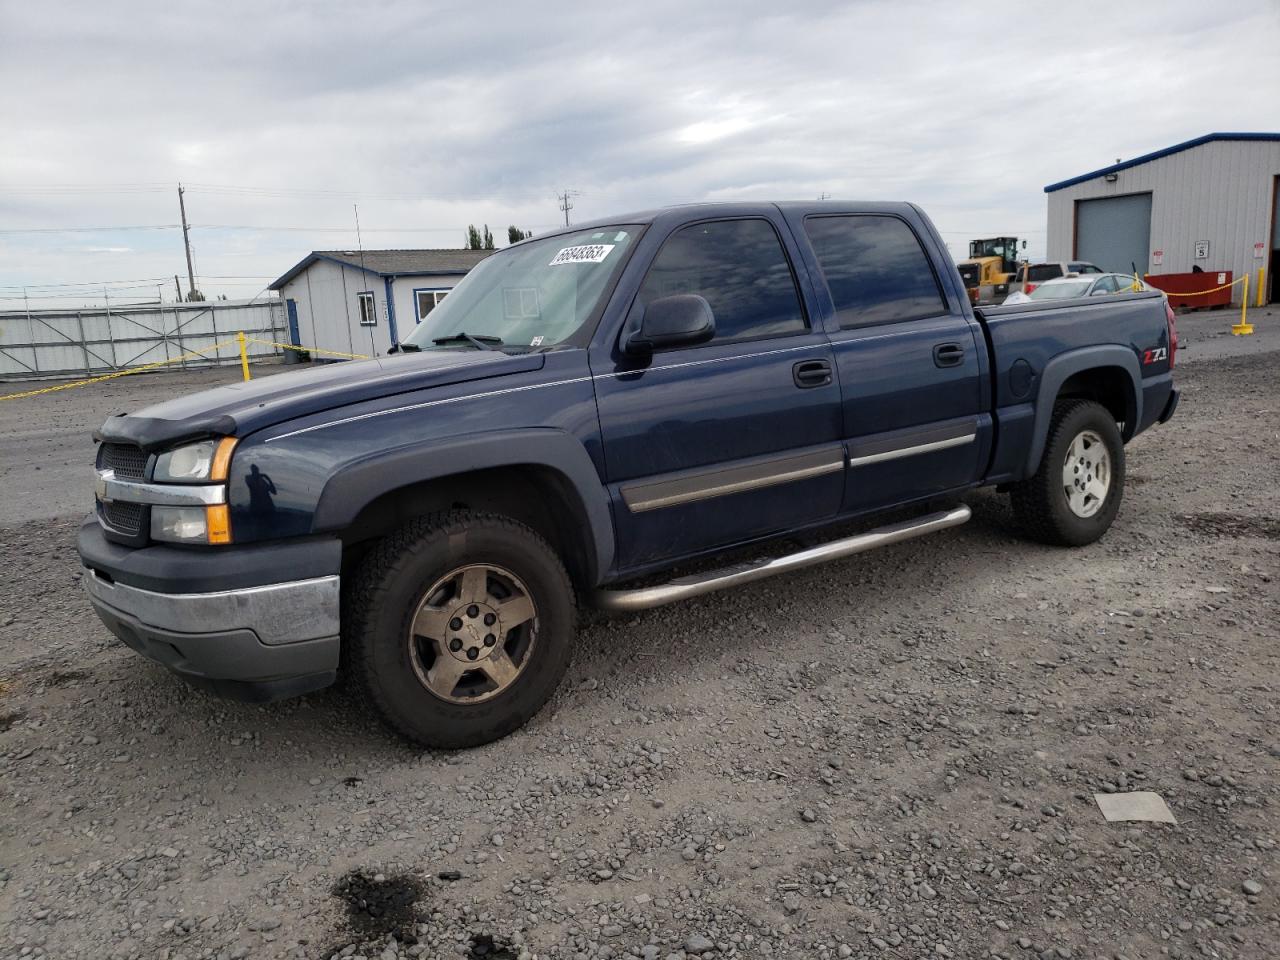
(1209,203)
(362,302)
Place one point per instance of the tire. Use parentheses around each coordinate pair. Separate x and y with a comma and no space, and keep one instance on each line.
(420,581)
(1041,504)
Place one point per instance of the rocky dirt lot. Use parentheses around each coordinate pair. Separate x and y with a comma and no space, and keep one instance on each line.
(892,756)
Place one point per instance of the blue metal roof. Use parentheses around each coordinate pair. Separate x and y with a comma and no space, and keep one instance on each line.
(1148,157)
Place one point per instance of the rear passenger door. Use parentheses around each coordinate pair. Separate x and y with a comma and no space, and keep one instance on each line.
(719,442)
(911,363)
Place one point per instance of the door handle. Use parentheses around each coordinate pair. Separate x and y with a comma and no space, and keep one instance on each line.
(948,355)
(811,373)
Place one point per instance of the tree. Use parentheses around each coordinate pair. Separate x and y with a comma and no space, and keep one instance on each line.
(488,238)
(515,234)
(474,241)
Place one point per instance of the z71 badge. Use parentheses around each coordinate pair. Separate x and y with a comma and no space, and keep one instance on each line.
(1155,355)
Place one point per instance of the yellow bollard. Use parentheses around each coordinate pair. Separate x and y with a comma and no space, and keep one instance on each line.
(244,351)
(1244,326)
(1262,273)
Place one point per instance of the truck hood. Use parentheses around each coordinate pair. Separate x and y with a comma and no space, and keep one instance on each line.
(241,408)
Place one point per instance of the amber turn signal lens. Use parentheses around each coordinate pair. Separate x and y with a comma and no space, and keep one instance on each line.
(218,522)
(221,465)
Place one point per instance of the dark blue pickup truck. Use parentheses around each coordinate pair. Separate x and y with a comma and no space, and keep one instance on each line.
(587,413)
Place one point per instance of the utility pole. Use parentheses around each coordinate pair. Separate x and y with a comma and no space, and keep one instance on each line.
(566,203)
(177,287)
(186,242)
(824,195)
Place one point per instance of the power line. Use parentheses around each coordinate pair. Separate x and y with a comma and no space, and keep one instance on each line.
(290,193)
(244,190)
(266,228)
(146,281)
(145,226)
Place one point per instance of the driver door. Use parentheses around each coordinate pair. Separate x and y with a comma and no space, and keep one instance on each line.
(735,438)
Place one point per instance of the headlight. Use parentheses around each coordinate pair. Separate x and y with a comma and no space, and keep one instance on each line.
(206,460)
(191,524)
(191,462)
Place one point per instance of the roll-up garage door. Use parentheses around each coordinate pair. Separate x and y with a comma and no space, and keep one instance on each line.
(1115,232)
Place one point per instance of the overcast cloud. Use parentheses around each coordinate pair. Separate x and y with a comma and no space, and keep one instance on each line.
(435,115)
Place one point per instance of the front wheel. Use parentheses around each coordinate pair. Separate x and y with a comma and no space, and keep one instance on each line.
(459,628)
(1076,492)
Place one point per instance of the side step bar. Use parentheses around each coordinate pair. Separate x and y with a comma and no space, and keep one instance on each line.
(682,588)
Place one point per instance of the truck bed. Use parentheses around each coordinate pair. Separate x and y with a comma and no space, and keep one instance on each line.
(1037,347)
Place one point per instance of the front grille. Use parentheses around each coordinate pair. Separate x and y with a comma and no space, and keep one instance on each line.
(127,461)
(122,517)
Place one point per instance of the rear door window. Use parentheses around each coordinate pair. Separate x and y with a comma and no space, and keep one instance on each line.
(739,266)
(875,268)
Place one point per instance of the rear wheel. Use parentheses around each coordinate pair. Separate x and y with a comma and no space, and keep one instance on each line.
(459,628)
(1076,492)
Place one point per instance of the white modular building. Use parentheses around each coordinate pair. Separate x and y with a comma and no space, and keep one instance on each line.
(362,302)
(1209,204)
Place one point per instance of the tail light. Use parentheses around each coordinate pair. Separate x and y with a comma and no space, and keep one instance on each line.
(1173,332)
(1030,287)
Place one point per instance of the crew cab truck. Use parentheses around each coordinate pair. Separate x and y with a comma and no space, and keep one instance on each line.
(587,412)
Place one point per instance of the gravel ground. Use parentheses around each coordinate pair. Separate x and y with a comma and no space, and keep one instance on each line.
(891,756)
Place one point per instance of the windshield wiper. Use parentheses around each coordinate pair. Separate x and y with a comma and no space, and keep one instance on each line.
(480,341)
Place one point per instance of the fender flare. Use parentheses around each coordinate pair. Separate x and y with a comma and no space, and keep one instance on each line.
(1066,365)
(354,486)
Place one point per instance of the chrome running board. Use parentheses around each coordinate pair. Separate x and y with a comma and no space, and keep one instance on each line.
(694,585)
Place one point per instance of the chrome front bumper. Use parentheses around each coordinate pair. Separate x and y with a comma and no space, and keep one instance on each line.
(253,643)
(277,613)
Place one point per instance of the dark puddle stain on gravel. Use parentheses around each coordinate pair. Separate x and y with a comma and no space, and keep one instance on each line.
(8,719)
(484,948)
(1232,525)
(60,678)
(380,905)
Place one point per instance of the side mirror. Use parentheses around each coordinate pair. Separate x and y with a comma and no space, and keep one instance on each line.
(682,319)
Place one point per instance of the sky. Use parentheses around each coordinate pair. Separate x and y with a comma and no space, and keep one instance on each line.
(280,117)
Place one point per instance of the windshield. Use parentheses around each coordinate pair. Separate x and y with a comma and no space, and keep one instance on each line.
(529,297)
(1061,291)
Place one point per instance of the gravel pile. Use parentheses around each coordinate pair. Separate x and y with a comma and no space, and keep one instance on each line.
(893,756)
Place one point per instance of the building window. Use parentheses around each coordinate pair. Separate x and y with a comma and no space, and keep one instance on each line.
(368,310)
(520,303)
(428,300)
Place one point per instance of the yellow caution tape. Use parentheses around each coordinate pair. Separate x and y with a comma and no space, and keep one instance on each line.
(118,373)
(290,346)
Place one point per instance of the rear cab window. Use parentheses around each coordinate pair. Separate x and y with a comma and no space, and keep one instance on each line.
(740,268)
(875,268)
(1040,272)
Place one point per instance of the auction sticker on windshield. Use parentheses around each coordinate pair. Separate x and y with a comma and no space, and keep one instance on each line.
(584,253)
